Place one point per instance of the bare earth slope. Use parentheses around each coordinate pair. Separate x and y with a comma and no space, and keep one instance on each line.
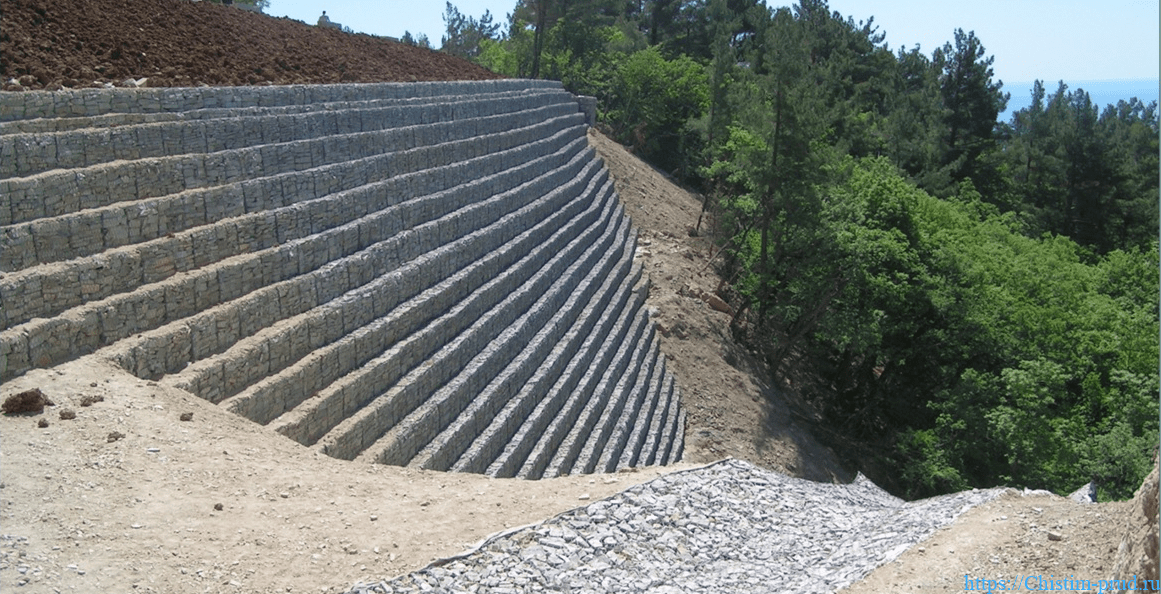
(139,514)
(732,411)
(83,43)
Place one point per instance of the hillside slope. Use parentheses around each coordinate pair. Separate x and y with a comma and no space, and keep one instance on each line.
(141,509)
(176,43)
(127,494)
(733,411)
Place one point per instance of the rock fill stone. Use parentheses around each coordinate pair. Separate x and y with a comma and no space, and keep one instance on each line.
(437,275)
(729,527)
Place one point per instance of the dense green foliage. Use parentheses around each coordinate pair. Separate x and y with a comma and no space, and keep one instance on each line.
(977,300)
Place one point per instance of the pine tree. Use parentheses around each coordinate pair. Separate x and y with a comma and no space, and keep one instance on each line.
(971,102)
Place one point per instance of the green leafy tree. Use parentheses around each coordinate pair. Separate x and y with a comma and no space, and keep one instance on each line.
(911,134)
(1048,347)
(574,22)
(774,157)
(651,99)
(1131,131)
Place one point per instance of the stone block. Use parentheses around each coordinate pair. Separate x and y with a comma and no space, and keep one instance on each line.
(14,354)
(18,250)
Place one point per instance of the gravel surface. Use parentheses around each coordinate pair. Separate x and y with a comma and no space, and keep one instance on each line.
(728,527)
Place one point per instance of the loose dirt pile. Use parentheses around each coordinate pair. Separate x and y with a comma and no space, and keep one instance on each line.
(29,401)
(86,43)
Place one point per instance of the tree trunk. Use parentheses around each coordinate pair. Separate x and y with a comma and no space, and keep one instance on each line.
(538,36)
(768,205)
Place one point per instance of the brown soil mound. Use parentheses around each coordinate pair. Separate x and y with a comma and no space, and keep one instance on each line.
(26,401)
(85,43)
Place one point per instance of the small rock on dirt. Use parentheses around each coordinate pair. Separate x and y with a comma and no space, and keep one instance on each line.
(91,400)
(114,436)
(68,414)
(717,303)
(188,416)
(42,423)
(218,507)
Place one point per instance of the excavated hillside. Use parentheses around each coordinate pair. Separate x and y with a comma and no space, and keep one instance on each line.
(49,44)
(126,496)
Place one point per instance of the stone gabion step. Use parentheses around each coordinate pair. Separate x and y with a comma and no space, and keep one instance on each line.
(343,399)
(140,310)
(676,439)
(436,275)
(479,232)
(40,152)
(625,431)
(503,353)
(361,430)
(543,429)
(116,119)
(516,258)
(582,448)
(246,181)
(93,278)
(547,387)
(653,438)
(100,102)
(570,425)
(62,191)
(540,361)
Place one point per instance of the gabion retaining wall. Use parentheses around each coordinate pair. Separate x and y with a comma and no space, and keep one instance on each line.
(426,274)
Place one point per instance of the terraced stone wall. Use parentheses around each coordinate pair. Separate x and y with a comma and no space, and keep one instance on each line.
(427,274)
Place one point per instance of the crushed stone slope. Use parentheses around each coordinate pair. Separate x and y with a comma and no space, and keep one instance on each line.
(724,528)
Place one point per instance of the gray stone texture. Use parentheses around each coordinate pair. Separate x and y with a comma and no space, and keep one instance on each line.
(431,274)
(726,528)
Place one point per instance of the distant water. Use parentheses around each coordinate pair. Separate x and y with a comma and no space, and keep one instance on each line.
(1102,92)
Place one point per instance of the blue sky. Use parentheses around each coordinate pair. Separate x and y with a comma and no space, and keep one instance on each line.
(388,17)
(1074,40)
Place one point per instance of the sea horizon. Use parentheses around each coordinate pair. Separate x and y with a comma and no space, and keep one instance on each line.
(1102,92)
